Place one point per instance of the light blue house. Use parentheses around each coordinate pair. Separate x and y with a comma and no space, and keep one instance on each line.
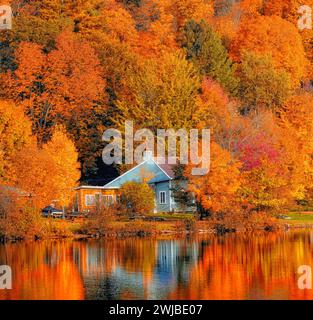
(159,176)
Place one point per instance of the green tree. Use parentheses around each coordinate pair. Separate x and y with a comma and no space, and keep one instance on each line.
(35,29)
(205,49)
(179,188)
(7,48)
(261,85)
(138,197)
(163,95)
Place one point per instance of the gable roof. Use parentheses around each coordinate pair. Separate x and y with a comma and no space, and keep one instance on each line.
(168,169)
(158,172)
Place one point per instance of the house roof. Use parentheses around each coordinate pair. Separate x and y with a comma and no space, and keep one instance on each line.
(153,169)
(157,167)
(168,168)
(89,187)
(158,178)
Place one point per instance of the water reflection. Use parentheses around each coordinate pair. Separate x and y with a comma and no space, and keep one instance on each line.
(247,266)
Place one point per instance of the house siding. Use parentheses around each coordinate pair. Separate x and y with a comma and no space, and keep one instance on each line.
(169,206)
(83,192)
(159,187)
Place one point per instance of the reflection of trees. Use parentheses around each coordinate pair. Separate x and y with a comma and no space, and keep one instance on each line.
(242,266)
(41,270)
(247,266)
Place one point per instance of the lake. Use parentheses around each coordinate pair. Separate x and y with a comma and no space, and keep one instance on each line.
(235,266)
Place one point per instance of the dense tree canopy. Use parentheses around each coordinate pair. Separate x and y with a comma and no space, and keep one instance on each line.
(205,49)
(241,68)
(15,134)
(261,85)
(276,37)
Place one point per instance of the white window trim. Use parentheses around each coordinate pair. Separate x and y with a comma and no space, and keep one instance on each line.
(105,199)
(160,197)
(87,203)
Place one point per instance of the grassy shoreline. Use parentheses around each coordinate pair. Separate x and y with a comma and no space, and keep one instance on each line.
(61,229)
(297,220)
(171,225)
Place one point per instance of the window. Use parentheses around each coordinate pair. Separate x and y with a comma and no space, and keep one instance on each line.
(162,197)
(89,200)
(107,200)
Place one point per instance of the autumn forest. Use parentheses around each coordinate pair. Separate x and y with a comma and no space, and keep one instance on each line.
(71,69)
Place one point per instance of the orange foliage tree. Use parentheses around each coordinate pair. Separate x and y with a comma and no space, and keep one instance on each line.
(61,150)
(62,87)
(156,32)
(183,10)
(288,9)
(296,120)
(64,82)
(276,37)
(108,17)
(217,192)
(215,110)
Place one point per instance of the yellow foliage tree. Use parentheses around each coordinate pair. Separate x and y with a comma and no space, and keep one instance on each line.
(62,152)
(15,133)
(296,120)
(49,173)
(137,197)
(163,95)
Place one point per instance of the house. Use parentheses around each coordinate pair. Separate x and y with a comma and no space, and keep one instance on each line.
(159,176)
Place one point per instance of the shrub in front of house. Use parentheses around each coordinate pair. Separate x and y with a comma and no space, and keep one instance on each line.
(137,197)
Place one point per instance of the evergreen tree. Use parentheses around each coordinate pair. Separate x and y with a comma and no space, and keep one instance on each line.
(205,49)
(179,188)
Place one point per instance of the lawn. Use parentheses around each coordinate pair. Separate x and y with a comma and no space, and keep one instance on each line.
(295,217)
(172,216)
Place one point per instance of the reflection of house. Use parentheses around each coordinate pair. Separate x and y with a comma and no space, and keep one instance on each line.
(159,176)
(126,269)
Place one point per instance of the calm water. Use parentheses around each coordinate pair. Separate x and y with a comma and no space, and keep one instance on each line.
(250,266)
